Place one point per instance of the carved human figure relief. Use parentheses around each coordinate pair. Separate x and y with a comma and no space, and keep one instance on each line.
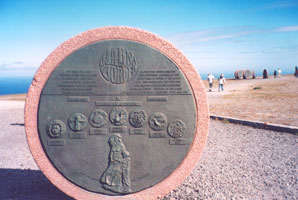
(116,177)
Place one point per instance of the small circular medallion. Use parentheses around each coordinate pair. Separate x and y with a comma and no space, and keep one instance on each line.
(118,116)
(158,121)
(56,128)
(98,118)
(77,121)
(137,118)
(176,128)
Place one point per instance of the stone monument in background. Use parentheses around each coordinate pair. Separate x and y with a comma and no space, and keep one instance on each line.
(238,74)
(265,74)
(244,74)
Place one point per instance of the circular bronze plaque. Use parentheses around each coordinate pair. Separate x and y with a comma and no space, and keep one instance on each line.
(129,113)
(116,111)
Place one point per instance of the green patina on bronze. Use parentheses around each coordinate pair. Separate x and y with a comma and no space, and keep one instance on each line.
(116,117)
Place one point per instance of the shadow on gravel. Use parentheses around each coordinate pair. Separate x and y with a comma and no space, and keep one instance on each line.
(17,124)
(20,184)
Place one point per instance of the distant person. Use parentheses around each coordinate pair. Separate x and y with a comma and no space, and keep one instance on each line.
(275,73)
(296,72)
(278,72)
(210,79)
(221,81)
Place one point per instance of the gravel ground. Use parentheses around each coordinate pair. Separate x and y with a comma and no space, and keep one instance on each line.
(243,163)
(238,163)
(20,178)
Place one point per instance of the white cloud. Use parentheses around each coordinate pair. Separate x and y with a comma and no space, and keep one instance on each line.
(226,36)
(199,37)
(226,48)
(18,62)
(286,29)
(16,69)
(282,4)
(186,38)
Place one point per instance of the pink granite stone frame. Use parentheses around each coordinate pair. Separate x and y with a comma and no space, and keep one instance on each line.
(108,33)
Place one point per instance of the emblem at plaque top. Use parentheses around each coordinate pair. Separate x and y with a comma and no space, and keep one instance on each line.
(77,121)
(118,65)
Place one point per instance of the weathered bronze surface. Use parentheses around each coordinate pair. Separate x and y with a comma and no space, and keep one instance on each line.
(116,117)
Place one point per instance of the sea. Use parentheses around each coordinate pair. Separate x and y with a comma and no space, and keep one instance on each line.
(20,85)
(14,85)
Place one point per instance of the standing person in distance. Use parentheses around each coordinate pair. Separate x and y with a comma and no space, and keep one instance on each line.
(210,79)
(221,81)
(278,72)
(274,73)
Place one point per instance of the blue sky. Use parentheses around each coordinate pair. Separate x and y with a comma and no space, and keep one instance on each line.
(216,36)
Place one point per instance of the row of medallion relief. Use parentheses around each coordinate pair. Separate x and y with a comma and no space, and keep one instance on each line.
(118,117)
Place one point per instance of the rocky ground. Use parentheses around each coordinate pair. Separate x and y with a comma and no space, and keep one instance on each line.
(243,163)
(238,163)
